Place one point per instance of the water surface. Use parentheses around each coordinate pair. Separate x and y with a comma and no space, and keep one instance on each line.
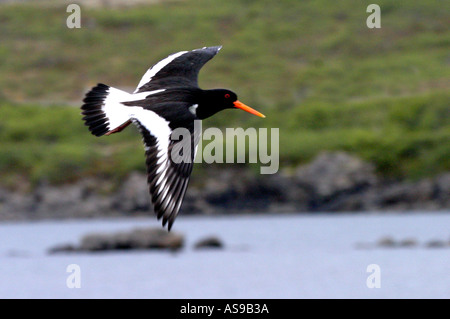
(276,256)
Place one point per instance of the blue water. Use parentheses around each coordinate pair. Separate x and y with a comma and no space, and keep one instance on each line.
(281,256)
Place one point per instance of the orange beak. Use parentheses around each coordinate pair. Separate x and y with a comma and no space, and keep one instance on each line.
(248,109)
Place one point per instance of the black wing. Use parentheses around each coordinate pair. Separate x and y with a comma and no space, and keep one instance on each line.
(168,172)
(177,70)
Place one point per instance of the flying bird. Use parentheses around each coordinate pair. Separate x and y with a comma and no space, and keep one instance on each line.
(167,98)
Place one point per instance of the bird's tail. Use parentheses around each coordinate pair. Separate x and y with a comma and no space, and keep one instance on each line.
(103,111)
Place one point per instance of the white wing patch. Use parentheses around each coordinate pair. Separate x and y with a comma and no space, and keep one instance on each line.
(159,128)
(156,68)
(115,111)
(155,124)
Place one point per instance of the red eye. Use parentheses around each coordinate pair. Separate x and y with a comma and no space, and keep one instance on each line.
(227,96)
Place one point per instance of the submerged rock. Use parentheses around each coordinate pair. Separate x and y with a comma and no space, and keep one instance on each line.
(387,242)
(62,248)
(209,242)
(408,242)
(435,243)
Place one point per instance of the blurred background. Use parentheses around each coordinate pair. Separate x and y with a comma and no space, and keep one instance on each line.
(364,142)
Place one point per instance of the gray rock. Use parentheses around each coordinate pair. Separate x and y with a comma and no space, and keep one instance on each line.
(336,172)
(387,242)
(97,242)
(408,243)
(436,243)
(62,248)
(209,242)
(155,238)
(139,238)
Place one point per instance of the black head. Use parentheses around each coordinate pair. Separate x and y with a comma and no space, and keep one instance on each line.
(213,101)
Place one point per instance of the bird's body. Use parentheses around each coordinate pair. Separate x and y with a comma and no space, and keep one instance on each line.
(167,98)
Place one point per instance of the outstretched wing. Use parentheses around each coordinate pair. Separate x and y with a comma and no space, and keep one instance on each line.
(179,69)
(169,166)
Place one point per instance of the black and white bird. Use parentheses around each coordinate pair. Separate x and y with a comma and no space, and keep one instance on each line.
(166,98)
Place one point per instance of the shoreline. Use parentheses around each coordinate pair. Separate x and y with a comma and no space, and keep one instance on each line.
(333,182)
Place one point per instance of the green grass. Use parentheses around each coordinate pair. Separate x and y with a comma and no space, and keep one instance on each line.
(313,67)
(53,145)
(404,136)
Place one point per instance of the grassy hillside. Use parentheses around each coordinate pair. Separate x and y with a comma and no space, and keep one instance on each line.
(313,67)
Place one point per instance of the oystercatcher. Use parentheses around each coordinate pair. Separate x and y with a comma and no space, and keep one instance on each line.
(167,98)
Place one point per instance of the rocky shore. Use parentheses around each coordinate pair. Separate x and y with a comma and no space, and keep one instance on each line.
(332,182)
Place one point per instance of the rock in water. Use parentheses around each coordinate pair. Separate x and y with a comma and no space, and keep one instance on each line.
(139,238)
(209,242)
